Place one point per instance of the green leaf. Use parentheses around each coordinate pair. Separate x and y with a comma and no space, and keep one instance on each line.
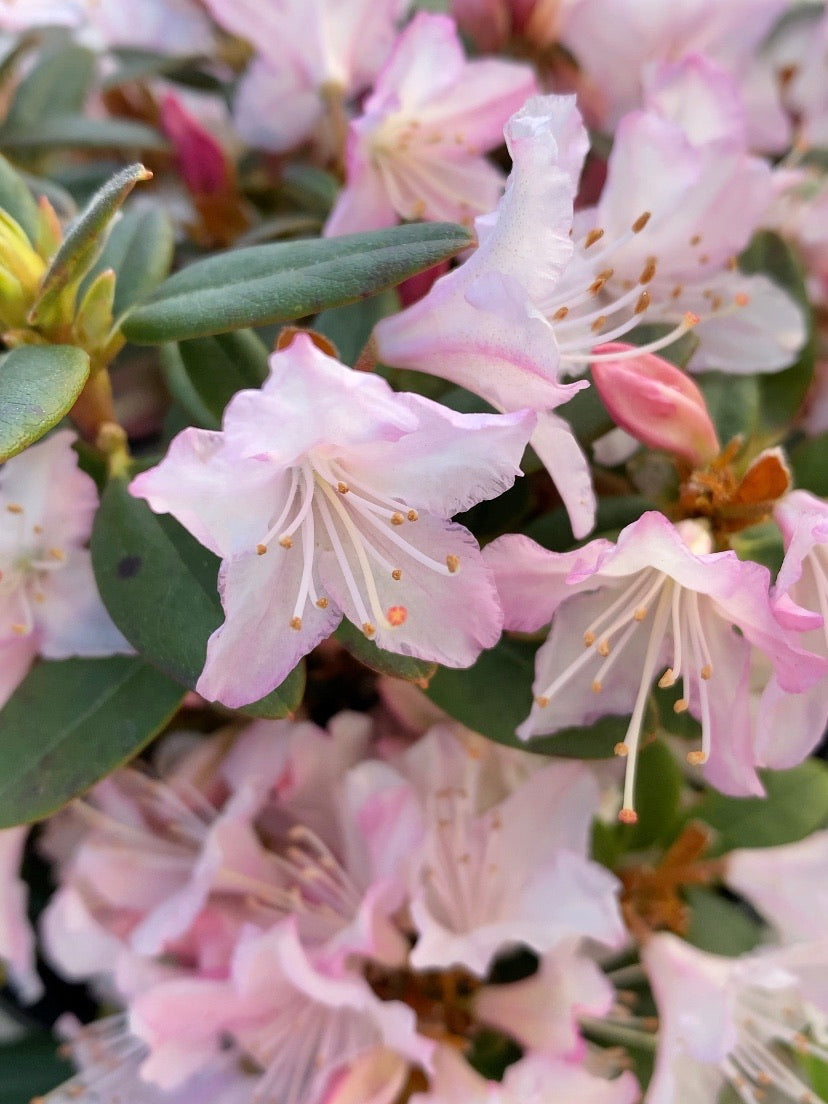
(57,85)
(386,663)
(720,926)
(38,386)
(79,131)
(309,187)
(763,543)
(809,466)
(781,393)
(205,373)
(70,723)
(17,201)
(30,1067)
(159,585)
(796,805)
(287,280)
(140,251)
(733,403)
(349,327)
(495,695)
(658,788)
(85,240)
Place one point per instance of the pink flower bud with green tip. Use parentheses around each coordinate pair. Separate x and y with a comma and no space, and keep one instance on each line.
(655,402)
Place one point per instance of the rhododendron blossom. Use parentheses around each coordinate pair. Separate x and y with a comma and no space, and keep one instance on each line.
(417,151)
(658,598)
(344,515)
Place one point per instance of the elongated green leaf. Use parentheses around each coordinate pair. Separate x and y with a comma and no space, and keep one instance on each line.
(733,403)
(386,663)
(57,85)
(287,280)
(495,695)
(62,131)
(349,327)
(205,373)
(796,805)
(809,464)
(85,240)
(17,201)
(29,1067)
(159,585)
(720,926)
(70,723)
(140,251)
(38,386)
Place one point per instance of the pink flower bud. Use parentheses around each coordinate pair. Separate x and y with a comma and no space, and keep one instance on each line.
(655,402)
(201,160)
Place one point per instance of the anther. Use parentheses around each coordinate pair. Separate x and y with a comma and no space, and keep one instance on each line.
(599,323)
(560,314)
(597,687)
(642,302)
(296,623)
(648,271)
(704,258)
(628,816)
(667,679)
(343,488)
(681,706)
(593,236)
(412,515)
(369,629)
(696,758)
(640,613)
(589,639)
(597,285)
(397,518)
(18,629)
(396,574)
(261,549)
(14,508)
(396,616)
(322,603)
(453,563)
(37,530)
(621,750)
(57,553)
(676,292)
(641,222)
(542,701)
(706,672)
(604,648)
(286,542)
(696,239)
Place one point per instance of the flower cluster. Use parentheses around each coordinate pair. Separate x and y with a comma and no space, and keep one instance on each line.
(414,550)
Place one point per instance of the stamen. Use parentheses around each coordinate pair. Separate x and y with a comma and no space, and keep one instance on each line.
(641,222)
(343,488)
(687,323)
(592,237)
(396,574)
(296,623)
(282,518)
(453,563)
(397,519)
(14,508)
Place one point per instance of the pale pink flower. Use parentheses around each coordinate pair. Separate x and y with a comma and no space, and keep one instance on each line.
(417,149)
(640,34)
(307,50)
(17,945)
(787,885)
(326,494)
(622,612)
(789,726)
(684,160)
(483,878)
(655,402)
(534,1079)
(484,326)
(49,604)
(735,1021)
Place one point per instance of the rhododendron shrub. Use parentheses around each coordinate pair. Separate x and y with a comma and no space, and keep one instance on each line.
(413,552)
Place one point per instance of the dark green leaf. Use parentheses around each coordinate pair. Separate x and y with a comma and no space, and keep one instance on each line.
(17,201)
(809,461)
(495,695)
(762,543)
(387,663)
(287,280)
(205,373)
(38,386)
(796,805)
(57,85)
(658,788)
(719,925)
(733,403)
(140,250)
(309,187)
(349,327)
(85,240)
(62,131)
(30,1067)
(159,585)
(70,723)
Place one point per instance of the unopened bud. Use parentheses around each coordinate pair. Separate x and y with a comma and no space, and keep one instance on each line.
(656,402)
(203,164)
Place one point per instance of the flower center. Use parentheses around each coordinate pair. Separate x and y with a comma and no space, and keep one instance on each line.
(24,572)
